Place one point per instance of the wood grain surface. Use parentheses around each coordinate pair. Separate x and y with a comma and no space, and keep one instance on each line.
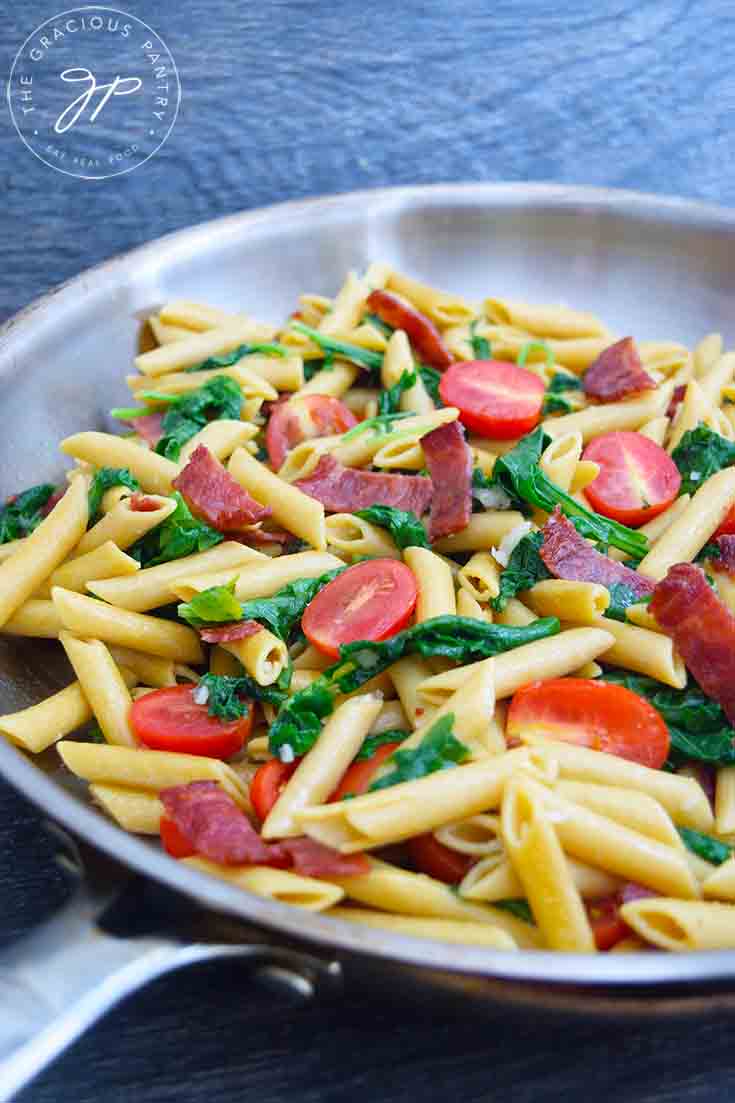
(289,98)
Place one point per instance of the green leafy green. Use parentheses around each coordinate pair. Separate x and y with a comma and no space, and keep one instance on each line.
(699,454)
(519,908)
(103,480)
(227,359)
(519,475)
(95,734)
(389,401)
(372,742)
(218,398)
(217,605)
(554,400)
(480,345)
(284,609)
(697,725)
(404,526)
(364,358)
(379,324)
(704,846)
(709,551)
(228,695)
(460,638)
(22,513)
(438,750)
(535,346)
(381,425)
(525,568)
(431,379)
(180,534)
(621,597)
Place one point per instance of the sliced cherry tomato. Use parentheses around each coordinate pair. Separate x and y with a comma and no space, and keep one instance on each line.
(174,843)
(358,777)
(437,860)
(637,479)
(727,528)
(169,719)
(591,714)
(494,398)
(370,601)
(607,924)
(267,785)
(301,418)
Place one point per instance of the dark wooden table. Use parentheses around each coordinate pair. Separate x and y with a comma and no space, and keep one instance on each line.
(290,98)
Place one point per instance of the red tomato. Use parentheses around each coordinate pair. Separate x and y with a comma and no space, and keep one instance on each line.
(170,720)
(591,714)
(267,785)
(727,528)
(637,479)
(370,601)
(607,924)
(358,777)
(301,418)
(437,860)
(495,399)
(174,843)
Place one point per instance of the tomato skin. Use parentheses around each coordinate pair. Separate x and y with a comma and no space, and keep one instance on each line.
(370,601)
(169,719)
(495,398)
(301,418)
(437,860)
(608,926)
(591,714)
(174,843)
(637,479)
(267,784)
(727,528)
(358,777)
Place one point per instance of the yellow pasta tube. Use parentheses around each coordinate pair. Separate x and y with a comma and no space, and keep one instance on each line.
(43,550)
(716,376)
(655,429)
(493,878)
(221,662)
(322,768)
(106,561)
(103,686)
(480,577)
(560,458)
(37,618)
(197,316)
(515,614)
(611,416)
(639,811)
(645,652)
(694,408)
(366,447)
(478,836)
(468,606)
(397,360)
(441,307)
(151,587)
(87,617)
(253,375)
(154,473)
(725,801)
(353,536)
(544,320)
(198,347)
(706,353)
(407,675)
(557,597)
(658,526)
(435,584)
(35,728)
(123,525)
(132,809)
(682,924)
(261,579)
(443,930)
(275,884)
(335,382)
(149,669)
(293,509)
(221,438)
(263,655)
(312,659)
(390,717)
(149,770)
(720,885)
(484,531)
(538,860)
(688,534)
(163,334)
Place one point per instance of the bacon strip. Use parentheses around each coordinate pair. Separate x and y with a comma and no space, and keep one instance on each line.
(227,633)
(343,489)
(421,332)
(702,628)
(726,560)
(676,400)
(258,536)
(213,825)
(149,427)
(616,373)
(53,500)
(568,555)
(212,494)
(449,462)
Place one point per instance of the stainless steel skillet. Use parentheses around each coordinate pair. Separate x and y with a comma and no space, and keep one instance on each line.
(657,268)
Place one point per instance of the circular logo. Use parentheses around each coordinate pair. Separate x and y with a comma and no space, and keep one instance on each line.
(94,92)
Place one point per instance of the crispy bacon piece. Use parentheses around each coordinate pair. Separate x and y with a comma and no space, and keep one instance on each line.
(726,560)
(616,373)
(449,462)
(313,859)
(345,489)
(568,555)
(227,633)
(149,427)
(702,628)
(52,500)
(212,494)
(141,503)
(257,535)
(421,332)
(676,400)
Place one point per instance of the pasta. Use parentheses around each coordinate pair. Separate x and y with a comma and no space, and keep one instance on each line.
(393,614)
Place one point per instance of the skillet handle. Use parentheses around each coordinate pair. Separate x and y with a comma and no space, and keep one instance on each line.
(61,978)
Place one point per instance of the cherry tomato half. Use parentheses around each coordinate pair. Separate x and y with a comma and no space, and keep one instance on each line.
(608,926)
(591,714)
(169,719)
(494,398)
(358,777)
(267,785)
(301,418)
(174,843)
(727,528)
(637,479)
(437,860)
(370,601)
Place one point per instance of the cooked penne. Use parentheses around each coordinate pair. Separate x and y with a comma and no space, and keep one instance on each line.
(679,925)
(435,584)
(103,686)
(443,930)
(262,579)
(154,473)
(691,530)
(299,513)
(612,416)
(276,884)
(124,525)
(134,810)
